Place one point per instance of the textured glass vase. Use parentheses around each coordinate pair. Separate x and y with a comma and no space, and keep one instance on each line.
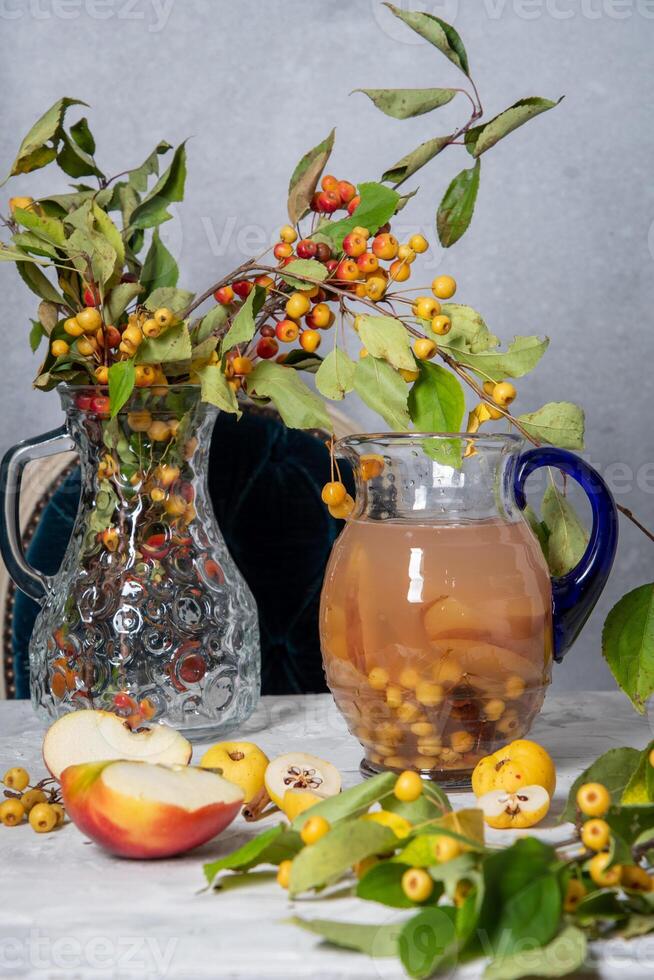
(148,616)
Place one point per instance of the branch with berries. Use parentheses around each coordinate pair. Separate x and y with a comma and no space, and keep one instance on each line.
(331,301)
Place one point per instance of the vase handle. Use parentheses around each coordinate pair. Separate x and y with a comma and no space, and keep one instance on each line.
(575,593)
(28,579)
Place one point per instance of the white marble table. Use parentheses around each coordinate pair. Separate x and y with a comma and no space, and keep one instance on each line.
(69,910)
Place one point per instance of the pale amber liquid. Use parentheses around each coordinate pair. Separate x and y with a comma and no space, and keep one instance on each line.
(436,639)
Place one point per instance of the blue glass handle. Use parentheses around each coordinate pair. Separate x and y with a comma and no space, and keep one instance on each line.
(575,593)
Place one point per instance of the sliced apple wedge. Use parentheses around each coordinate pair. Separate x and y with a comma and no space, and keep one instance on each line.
(141,810)
(98,736)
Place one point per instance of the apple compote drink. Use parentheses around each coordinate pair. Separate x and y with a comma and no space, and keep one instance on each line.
(436,638)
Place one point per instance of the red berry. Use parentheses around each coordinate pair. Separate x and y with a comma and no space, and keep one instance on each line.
(83,402)
(346,190)
(354,245)
(243,288)
(329,183)
(192,668)
(224,295)
(100,404)
(315,206)
(306,249)
(282,250)
(331,265)
(329,201)
(287,330)
(267,330)
(354,204)
(348,270)
(91,296)
(323,252)
(267,347)
(112,336)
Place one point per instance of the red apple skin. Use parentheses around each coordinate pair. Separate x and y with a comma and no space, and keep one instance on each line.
(135,828)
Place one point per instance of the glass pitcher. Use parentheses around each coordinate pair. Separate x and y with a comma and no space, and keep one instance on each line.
(439,620)
(148,615)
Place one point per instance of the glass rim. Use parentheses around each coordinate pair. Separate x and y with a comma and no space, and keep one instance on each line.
(65,387)
(495,438)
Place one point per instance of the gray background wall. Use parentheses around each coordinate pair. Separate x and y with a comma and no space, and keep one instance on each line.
(563,236)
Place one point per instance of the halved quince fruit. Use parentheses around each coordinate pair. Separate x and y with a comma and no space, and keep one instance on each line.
(299,770)
(525,808)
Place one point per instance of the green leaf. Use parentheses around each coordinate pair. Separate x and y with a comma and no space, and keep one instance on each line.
(377,206)
(210,323)
(335,376)
(455,210)
(369,939)
(432,802)
(216,390)
(628,644)
(37,333)
(243,324)
(567,537)
(33,152)
(122,378)
(614,769)
(172,345)
(438,32)
(34,245)
(119,299)
(38,282)
(416,159)
(558,423)
(175,299)
(294,273)
(519,359)
(104,508)
(562,957)
(108,230)
(9,254)
(386,337)
(49,316)
(299,407)
(301,360)
(159,268)
(345,844)
(49,228)
(270,847)
(640,788)
(631,822)
(152,210)
(383,883)
(138,178)
(436,400)
(384,391)
(351,802)
(305,177)
(91,249)
(483,137)
(83,136)
(75,161)
(437,404)
(522,898)
(428,942)
(403,103)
